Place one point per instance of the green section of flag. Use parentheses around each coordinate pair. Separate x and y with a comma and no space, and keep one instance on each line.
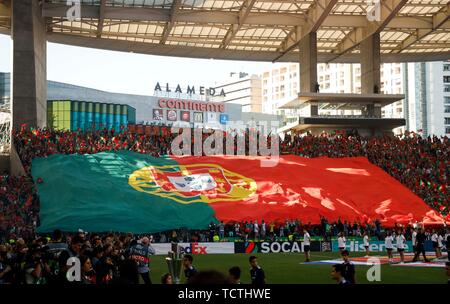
(91,192)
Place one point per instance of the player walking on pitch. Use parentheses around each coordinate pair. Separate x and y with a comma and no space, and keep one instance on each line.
(400,240)
(366,244)
(388,240)
(306,245)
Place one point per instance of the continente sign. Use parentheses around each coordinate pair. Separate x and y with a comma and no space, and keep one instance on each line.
(190,90)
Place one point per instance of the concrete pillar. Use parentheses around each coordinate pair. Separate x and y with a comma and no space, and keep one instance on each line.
(370,71)
(308,63)
(29,72)
(370,64)
(374,110)
(314,109)
(308,67)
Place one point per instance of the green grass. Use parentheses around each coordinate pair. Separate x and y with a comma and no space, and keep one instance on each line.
(286,268)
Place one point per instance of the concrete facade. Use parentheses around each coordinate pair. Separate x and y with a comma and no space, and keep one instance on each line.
(29,74)
(242,89)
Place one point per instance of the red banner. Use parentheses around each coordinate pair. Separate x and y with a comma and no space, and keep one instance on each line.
(351,189)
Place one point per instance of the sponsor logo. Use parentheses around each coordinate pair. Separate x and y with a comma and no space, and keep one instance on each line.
(198,117)
(250,247)
(157,114)
(284,247)
(194,248)
(325,246)
(172,115)
(185,116)
(223,119)
(374,246)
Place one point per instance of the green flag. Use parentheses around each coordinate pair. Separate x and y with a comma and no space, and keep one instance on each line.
(100,192)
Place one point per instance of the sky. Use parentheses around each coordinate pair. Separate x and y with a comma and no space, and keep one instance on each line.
(129,72)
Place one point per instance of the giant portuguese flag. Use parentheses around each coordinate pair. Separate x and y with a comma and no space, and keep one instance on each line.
(130,192)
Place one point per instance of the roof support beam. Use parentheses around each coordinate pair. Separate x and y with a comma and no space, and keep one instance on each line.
(5,9)
(136,14)
(216,53)
(169,25)
(439,19)
(389,9)
(234,28)
(101,18)
(313,20)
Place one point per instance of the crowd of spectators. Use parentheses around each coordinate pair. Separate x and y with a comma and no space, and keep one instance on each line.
(421,164)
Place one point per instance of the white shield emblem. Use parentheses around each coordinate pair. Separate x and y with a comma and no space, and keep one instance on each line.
(194,182)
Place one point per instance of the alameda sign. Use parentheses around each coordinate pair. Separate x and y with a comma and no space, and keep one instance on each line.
(191,90)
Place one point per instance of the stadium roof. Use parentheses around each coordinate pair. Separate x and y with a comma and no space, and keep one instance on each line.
(264,30)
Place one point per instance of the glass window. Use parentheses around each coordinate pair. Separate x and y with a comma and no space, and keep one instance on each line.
(447,79)
(447,88)
(447,120)
(447,130)
(446,109)
(446,67)
(447,100)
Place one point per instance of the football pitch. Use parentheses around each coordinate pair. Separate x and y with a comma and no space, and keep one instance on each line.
(288,268)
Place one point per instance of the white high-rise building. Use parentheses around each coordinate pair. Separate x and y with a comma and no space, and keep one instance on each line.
(281,84)
(428,97)
(243,89)
(426,86)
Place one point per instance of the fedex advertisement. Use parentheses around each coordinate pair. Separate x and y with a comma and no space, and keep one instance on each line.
(195,248)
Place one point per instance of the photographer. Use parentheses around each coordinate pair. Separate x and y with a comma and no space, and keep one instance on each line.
(36,269)
(72,251)
(6,267)
(140,252)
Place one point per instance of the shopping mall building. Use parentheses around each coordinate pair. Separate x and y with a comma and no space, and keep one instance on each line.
(71,107)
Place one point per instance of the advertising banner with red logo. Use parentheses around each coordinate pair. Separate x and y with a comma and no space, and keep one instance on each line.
(196,248)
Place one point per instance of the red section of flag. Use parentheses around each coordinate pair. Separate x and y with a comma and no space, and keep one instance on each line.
(300,188)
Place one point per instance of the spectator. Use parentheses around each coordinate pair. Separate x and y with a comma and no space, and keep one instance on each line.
(72,251)
(87,271)
(6,266)
(166,279)
(208,277)
(447,270)
(221,230)
(128,274)
(263,230)
(235,275)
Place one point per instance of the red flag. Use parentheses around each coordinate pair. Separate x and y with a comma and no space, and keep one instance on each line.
(348,188)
